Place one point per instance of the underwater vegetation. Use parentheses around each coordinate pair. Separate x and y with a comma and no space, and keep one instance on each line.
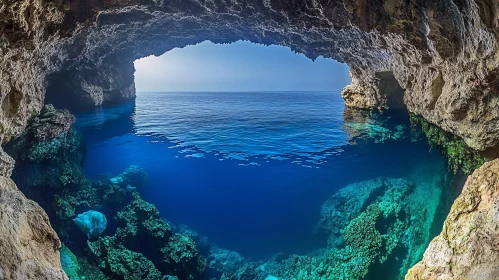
(375,227)
(145,247)
(49,171)
(369,221)
(459,155)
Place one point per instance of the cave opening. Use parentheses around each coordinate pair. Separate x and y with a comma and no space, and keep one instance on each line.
(231,108)
(242,146)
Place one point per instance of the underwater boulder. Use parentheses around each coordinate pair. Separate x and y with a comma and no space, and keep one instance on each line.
(377,128)
(181,255)
(50,123)
(224,260)
(348,202)
(92,223)
(119,262)
(132,178)
(69,263)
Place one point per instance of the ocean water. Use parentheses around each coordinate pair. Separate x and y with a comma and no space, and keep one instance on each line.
(251,170)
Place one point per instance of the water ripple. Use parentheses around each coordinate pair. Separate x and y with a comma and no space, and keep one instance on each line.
(241,125)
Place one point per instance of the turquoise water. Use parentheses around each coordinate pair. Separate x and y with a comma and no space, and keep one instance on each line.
(252,170)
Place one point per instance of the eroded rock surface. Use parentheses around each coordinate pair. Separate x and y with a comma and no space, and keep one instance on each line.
(28,245)
(440,57)
(467,247)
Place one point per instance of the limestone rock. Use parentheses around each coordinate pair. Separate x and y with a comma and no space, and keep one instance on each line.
(439,57)
(467,247)
(50,123)
(28,245)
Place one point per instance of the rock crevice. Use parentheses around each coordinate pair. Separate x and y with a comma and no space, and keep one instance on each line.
(466,248)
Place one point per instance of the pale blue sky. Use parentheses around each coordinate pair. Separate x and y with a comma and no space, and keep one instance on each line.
(241,66)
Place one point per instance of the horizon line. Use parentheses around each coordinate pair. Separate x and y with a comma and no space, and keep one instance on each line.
(224,91)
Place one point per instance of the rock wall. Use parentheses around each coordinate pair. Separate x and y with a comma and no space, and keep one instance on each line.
(28,245)
(440,57)
(467,248)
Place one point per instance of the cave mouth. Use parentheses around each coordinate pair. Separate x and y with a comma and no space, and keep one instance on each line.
(230,109)
(242,170)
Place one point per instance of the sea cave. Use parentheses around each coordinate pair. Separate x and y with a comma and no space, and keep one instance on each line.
(249,140)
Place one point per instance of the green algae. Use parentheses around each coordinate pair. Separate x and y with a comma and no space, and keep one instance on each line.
(77,268)
(164,253)
(70,264)
(142,245)
(460,156)
(182,254)
(121,263)
(378,229)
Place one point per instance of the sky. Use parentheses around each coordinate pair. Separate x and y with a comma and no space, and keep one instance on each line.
(241,66)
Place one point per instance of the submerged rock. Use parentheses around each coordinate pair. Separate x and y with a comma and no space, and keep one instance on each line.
(50,123)
(148,241)
(376,126)
(132,178)
(349,202)
(120,263)
(70,264)
(467,247)
(50,172)
(221,259)
(367,221)
(92,223)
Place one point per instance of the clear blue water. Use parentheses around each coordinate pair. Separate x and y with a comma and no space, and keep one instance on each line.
(248,170)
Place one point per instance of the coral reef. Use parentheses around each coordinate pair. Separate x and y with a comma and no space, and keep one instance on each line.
(92,223)
(133,177)
(138,243)
(378,229)
(50,172)
(121,263)
(467,246)
(375,216)
(221,259)
(164,253)
(459,155)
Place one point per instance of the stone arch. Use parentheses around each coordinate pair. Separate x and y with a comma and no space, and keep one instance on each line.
(82,52)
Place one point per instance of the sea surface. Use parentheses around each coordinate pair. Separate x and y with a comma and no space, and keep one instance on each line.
(251,170)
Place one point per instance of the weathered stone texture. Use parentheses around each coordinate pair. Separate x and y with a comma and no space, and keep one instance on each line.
(467,248)
(28,244)
(440,57)
(442,53)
